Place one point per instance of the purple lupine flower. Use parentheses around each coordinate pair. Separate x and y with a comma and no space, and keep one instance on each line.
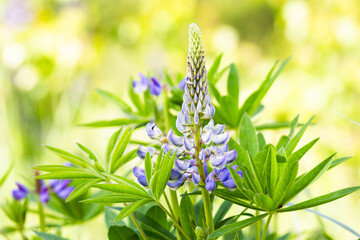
(182,83)
(155,87)
(18,13)
(210,140)
(142,85)
(141,153)
(61,188)
(145,83)
(21,192)
(44,195)
(153,131)
(140,175)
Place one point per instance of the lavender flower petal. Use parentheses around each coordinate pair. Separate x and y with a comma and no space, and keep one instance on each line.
(155,87)
(153,131)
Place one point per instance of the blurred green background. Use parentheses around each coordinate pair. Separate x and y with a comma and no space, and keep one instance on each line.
(53,54)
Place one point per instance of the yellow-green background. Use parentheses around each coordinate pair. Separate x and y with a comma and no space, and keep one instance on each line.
(53,54)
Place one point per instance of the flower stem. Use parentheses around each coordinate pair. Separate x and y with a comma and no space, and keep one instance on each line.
(177,226)
(257,227)
(142,233)
(175,207)
(41,217)
(266,226)
(208,210)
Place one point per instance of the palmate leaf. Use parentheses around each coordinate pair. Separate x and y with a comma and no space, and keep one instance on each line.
(308,178)
(291,145)
(264,201)
(111,144)
(127,157)
(271,170)
(297,155)
(76,160)
(253,101)
(5,176)
(235,226)
(275,125)
(321,199)
(119,149)
(214,68)
(123,180)
(88,152)
(132,208)
(337,161)
(237,201)
(56,168)
(81,188)
(148,167)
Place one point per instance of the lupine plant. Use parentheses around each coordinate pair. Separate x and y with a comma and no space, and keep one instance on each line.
(205,153)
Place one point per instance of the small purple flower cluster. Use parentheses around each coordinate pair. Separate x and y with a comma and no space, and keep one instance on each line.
(60,187)
(145,83)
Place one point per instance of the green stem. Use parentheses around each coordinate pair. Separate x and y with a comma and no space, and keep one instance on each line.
(257,227)
(177,226)
(176,208)
(208,210)
(266,226)
(168,203)
(142,233)
(41,217)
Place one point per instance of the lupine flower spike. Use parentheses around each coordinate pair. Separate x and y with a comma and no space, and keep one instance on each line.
(202,142)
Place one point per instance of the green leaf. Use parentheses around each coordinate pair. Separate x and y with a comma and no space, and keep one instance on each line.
(282,142)
(89,153)
(112,123)
(222,211)
(321,199)
(166,168)
(335,162)
(132,208)
(56,168)
(3,178)
(114,198)
(215,92)
(122,233)
(123,180)
(214,68)
(253,101)
(285,183)
(293,126)
(148,167)
(308,178)
(76,160)
(119,149)
(111,144)
(135,99)
(297,155)
(235,226)
(231,198)
(127,157)
(247,136)
(81,188)
(239,183)
(271,170)
(261,141)
(291,145)
(185,217)
(48,236)
(122,188)
(112,97)
(67,175)
(264,201)
(233,84)
(154,225)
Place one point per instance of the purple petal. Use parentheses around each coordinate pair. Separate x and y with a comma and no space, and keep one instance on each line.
(181,165)
(18,194)
(142,180)
(155,87)
(210,185)
(225,175)
(196,117)
(231,156)
(61,185)
(174,139)
(230,184)
(153,131)
(138,171)
(206,137)
(175,175)
(218,129)
(44,195)
(65,192)
(221,139)
(182,83)
(141,153)
(176,184)
(218,161)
